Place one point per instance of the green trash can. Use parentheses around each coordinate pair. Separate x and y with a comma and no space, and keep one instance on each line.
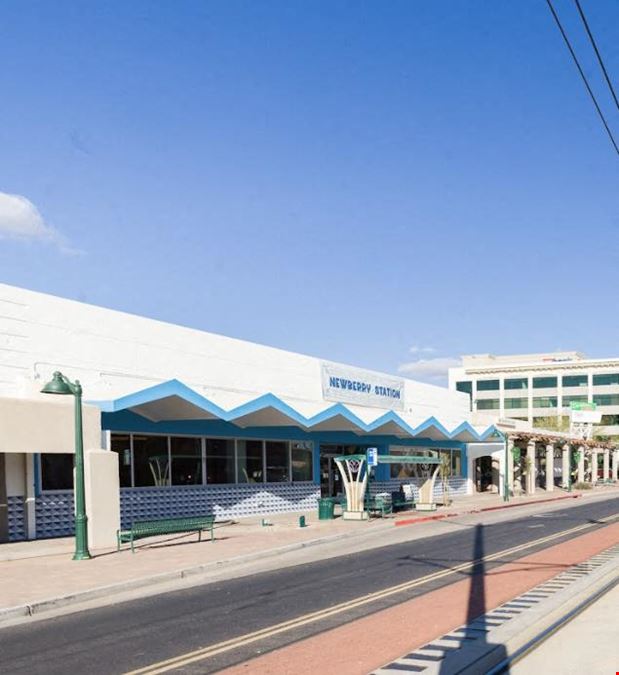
(326,509)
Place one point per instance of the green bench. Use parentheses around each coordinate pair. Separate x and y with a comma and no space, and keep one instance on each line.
(379,505)
(403,498)
(151,528)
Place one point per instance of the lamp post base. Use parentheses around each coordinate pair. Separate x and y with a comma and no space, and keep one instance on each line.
(81,555)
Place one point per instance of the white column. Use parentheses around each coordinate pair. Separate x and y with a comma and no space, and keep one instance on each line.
(594,466)
(531,468)
(550,467)
(30,500)
(102,497)
(581,464)
(615,465)
(606,473)
(565,466)
(510,466)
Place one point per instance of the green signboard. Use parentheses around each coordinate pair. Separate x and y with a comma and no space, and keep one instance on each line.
(583,406)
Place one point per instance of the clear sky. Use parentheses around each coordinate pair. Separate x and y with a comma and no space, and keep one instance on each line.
(390,184)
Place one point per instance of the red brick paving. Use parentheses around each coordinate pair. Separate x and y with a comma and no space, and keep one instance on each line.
(363,645)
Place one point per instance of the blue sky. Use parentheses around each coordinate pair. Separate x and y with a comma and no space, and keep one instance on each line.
(376,183)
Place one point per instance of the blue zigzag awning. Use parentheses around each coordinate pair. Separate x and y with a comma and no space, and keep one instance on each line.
(173,400)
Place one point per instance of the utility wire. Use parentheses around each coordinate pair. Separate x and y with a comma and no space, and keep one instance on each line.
(597,52)
(583,76)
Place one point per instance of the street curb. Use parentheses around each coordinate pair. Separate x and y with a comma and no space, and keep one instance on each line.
(441,516)
(42,606)
(50,604)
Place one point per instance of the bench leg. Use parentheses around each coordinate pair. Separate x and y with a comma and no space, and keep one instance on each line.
(212,533)
(132,548)
(117,542)
(199,535)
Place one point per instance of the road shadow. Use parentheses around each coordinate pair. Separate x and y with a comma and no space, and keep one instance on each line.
(474,633)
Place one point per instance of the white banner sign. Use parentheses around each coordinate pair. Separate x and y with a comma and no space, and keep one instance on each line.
(586,416)
(361,387)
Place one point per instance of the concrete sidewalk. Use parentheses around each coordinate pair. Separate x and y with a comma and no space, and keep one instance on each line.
(40,576)
(588,644)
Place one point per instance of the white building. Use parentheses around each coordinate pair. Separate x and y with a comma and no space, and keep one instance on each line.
(536,387)
(180,421)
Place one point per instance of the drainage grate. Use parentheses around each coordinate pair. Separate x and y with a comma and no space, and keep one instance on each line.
(433,653)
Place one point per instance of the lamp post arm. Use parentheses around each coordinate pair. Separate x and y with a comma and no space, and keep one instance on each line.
(75,387)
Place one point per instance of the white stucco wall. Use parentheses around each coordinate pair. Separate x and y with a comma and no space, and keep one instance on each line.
(15,469)
(476,450)
(45,425)
(113,354)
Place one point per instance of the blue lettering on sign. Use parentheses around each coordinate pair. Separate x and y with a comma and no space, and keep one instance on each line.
(364,387)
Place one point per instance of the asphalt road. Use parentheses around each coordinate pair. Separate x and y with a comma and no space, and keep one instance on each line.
(131,635)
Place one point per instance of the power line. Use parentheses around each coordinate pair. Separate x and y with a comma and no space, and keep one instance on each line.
(583,76)
(597,52)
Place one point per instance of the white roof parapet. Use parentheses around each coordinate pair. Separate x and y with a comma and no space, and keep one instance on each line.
(174,400)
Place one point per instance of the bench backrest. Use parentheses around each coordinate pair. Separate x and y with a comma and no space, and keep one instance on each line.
(407,491)
(173,523)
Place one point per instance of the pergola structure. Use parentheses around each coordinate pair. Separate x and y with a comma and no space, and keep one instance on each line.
(354,470)
(539,451)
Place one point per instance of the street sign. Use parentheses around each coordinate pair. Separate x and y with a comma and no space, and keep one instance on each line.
(583,405)
(583,412)
(372,455)
(586,416)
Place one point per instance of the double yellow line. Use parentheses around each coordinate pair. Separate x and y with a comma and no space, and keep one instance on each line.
(243,640)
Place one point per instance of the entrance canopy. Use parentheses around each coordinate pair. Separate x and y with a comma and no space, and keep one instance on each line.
(174,400)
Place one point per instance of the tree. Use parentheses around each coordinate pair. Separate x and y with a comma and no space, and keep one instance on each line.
(445,473)
(552,423)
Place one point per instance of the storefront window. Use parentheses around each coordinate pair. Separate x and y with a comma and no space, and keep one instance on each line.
(606,399)
(445,457)
(465,387)
(407,470)
(544,382)
(606,379)
(487,385)
(456,462)
(568,400)
(516,403)
(220,460)
(150,460)
(121,444)
(302,461)
(250,469)
(575,380)
(56,471)
(545,401)
(610,420)
(516,383)
(488,404)
(277,461)
(186,460)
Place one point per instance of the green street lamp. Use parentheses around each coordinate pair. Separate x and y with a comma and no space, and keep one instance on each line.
(63,386)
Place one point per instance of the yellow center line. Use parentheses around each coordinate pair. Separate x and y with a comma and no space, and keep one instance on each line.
(312,617)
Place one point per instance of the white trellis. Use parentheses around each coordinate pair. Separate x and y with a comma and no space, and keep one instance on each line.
(354,472)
